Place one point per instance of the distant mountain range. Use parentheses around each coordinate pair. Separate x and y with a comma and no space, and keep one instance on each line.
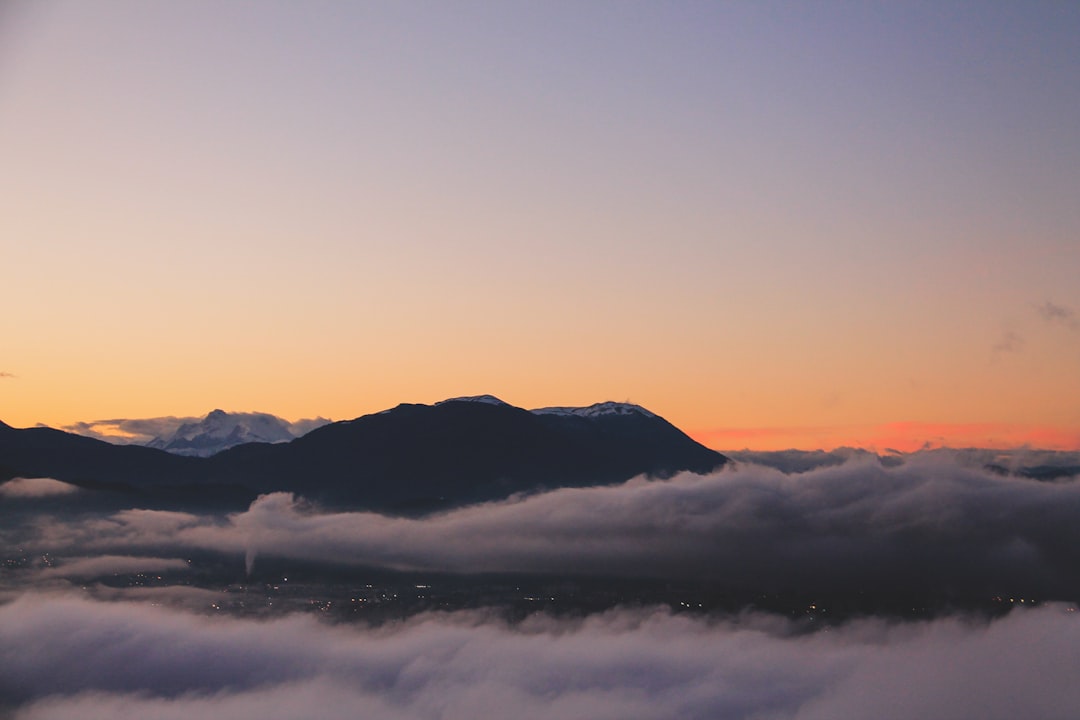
(411,458)
(220,430)
(201,437)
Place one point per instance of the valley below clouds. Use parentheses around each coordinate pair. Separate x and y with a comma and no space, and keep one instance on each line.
(927,586)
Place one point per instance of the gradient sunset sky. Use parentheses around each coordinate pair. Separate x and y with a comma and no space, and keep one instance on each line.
(775,224)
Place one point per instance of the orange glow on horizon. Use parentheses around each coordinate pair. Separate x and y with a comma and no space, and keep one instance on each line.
(902,436)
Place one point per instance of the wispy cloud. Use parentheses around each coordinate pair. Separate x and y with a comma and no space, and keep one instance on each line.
(1060,314)
(1009,342)
(7,375)
(903,436)
(120,430)
(143,430)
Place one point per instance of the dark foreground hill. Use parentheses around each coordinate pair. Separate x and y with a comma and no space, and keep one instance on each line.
(412,458)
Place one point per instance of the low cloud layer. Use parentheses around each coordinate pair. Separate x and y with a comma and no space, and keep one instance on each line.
(92,567)
(931,523)
(71,647)
(63,657)
(35,488)
(1013,461)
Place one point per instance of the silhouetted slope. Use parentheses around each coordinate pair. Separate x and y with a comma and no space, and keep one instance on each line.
(44,452)
(461,451)
(410,458)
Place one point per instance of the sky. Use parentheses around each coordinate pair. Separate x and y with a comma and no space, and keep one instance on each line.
(774,224)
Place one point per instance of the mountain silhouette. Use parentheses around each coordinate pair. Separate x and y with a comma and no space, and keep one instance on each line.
(411,458)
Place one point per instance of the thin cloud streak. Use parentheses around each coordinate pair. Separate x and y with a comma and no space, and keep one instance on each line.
(143,430)
(18,488)
(123,430)
(92,567)
(1010,342)
(899,436)
(1053,313)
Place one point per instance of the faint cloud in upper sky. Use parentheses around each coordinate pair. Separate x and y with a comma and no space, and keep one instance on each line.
(6,375)
(1052,312)
(833,399)
(1009,342)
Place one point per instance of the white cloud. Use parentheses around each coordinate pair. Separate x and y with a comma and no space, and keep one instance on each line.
(35,488)
(928,523)
(65,657)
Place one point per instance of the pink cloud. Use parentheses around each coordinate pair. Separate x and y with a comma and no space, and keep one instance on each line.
(903,436)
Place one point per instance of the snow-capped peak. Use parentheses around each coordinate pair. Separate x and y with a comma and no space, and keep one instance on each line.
(597,410)
(220,430)
(486,399)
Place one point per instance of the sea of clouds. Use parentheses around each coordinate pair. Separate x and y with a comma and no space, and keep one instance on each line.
(928,522)
(65,657)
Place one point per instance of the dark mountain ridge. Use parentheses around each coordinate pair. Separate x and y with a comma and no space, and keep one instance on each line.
(87,462)
(412,458)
